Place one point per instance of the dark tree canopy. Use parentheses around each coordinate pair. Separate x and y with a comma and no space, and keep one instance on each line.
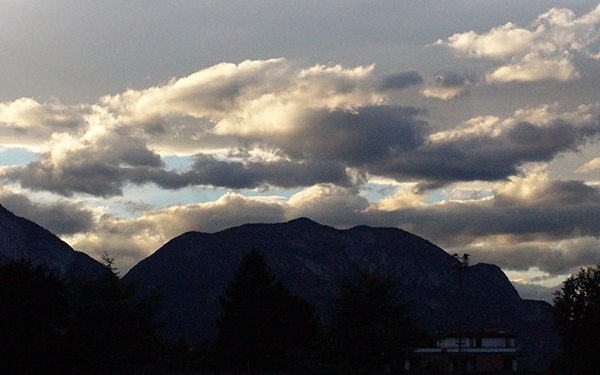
(370,325)
(51,325)
(113,330)
(34,316)
(577,314)
(261,320)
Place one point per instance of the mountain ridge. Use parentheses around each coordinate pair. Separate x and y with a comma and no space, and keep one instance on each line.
(21,238)
(193,269)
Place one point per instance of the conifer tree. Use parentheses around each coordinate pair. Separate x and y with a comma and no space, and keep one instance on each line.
(370,326)
(261,320)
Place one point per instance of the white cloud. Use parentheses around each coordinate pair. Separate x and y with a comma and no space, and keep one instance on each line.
(533,67)
(253,98)
(592,165)
(542,51)
(444,93)
(27,123)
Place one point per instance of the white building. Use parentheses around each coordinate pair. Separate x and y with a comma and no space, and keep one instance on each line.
(485,351)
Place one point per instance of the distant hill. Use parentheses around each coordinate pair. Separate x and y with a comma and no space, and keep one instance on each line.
(21,238)
(193,269)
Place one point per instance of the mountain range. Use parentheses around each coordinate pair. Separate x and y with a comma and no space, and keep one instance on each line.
(192,270)
(23,239)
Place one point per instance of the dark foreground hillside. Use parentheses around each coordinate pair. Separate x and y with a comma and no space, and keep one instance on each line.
(23,239)
(193,270)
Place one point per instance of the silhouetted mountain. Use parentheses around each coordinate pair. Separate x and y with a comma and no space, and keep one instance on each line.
(193,269)
(21,238)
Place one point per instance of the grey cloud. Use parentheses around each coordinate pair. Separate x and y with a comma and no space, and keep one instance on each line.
(555,193)
(453,79)
(99,169)
(207,170)
(59,217)
(401,81)
(552,260)
(387,141)
(486,157)
(369,135)
(454,223)
(392,142)
(91,177)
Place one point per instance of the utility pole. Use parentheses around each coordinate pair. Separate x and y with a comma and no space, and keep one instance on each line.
(464,264)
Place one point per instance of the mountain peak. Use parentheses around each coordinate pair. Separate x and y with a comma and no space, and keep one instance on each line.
(194,269)
(21,238)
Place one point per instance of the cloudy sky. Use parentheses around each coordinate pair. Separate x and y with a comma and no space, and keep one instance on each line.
(471,123)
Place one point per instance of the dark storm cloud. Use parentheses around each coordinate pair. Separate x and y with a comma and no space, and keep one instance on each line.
(59,217)
(91,177)
(487,157)
(387,141)
(555,193)
(369,135)
(455,222)
(98,169)
(207,170)
(400,81)
(392,142)
(549,259)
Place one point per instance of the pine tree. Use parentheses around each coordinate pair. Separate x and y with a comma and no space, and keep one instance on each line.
(371,327)
(261,320)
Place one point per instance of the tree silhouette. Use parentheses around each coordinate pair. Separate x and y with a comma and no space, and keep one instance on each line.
(34,317)
(577,315)
(113,329)
(370,327)
(51,325)
(261,320)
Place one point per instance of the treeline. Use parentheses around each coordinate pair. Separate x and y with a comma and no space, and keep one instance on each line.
(101,325)
(265,328)
(92,325)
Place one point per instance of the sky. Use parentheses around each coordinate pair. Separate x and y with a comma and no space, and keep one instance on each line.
(473,123)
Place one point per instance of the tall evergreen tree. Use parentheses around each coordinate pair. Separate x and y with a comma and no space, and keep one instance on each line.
(370,326)
(261,320)
(113,328)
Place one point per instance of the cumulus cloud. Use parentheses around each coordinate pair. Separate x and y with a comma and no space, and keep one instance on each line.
(253,105)
(60,218)
(449,85)
(562,259)
(274,124)
(208,171)
(27,123)
(328,204)
(131,240)
(528,221)
(325,130)
(489,149)
(544,50)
